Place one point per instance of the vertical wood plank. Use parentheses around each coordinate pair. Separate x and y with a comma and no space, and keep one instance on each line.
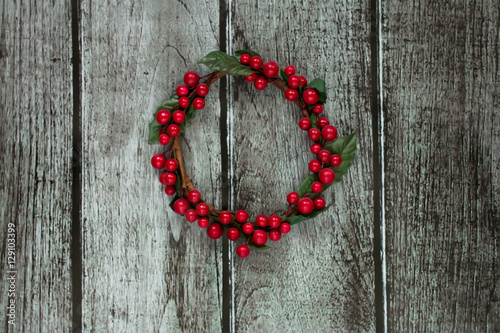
(320,277)
(146,269)
(441,83)
(35,154)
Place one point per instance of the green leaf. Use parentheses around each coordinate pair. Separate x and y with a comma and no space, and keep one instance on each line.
(319,85)
(249,52)
(171,204)
(314,120)
(154,132)
(284,76)
(190,115)
(261,247)
(223,63)
(169,103)
(178,186)
(305,187)
(297,218)
(345,147)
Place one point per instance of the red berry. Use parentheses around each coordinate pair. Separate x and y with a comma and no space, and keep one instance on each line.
(170,190)
(329,133)
(319,203)
(191,79)
(261,221)
(241,216)
(316,187)
(158,161)
(198,103)
(194,196)
(271,69)
(275,235)
(324,156)
(181,206)
(214,231)
(184,102)
(293,81)
(315,148)
(255,62)
(164,139)
(203,222)
(162,178)
(289,70)
(292,198)
(314,134)
(173,130)
(202,89)
(336,160)
(317,109)
(259,237)
(260,83)
(202,209)
(291,94)
(326,176)
(305,123)
(274,221)
(170,178)
(225,217)
(233,234)
(178,116)
(245,59)
(323,121)
(242,251)
(247,228)
(250,78)
(305,206)
(310,96)
(162,117)
(171,165)
(303,81)
(314,166)
(285,228)
(191,215)
(182,90)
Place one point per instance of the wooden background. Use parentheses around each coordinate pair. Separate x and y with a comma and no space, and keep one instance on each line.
(411,243)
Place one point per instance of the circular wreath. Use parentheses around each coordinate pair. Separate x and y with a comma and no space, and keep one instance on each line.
(333,155)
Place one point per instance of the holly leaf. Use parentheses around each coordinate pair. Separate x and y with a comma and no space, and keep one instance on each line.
(346,148)
(224,63)
(319,85)
(297,218)
(249,52)
(305,187)
(190,115)
(284,76)
(154,132)
(178,186)
(169,103)
(257,247)
(314,120)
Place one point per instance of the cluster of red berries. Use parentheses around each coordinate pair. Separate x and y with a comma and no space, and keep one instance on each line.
(195,209)
(193,90)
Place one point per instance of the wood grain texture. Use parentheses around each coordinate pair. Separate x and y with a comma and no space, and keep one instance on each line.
(145,268)
(441,83)
(320,277)
(35,154)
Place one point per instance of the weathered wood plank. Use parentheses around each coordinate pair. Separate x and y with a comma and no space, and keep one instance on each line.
(36,152)
(320,277)
(146,269)
(441,83)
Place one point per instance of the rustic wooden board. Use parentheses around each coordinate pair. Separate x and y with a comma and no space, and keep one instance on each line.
(320,277)
(145,268)
(35,154)
(441,83)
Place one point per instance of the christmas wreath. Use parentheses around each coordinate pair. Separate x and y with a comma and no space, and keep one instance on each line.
(333,155)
